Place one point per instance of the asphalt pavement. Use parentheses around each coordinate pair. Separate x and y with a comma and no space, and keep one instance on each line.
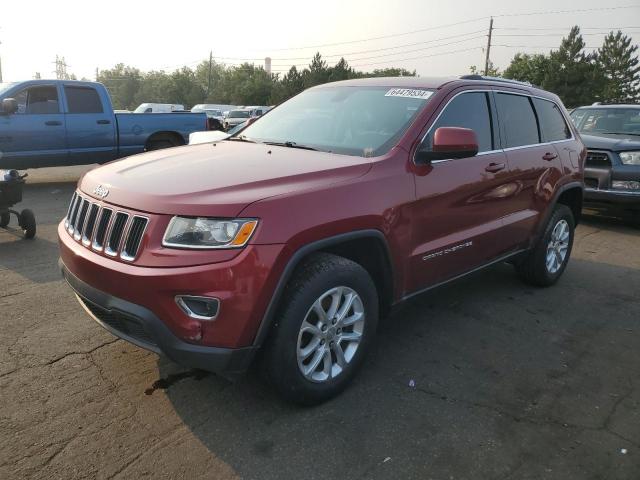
(483,379)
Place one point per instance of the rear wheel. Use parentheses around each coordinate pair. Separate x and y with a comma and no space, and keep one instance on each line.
(159,142)
(324,328)
(546,262)
(5,217)
(28,223)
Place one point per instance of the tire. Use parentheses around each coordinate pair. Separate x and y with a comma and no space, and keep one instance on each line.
(27,222)
(325,280)
(5,217)
(545,263)
(162,141)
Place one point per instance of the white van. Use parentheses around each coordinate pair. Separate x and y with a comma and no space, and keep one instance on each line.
(159,108)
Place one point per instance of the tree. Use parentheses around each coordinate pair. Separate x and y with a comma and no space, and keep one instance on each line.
(493,71)
(123,82)
(528,68)
(317,73)
(572,74)
(389,72)
(618,61)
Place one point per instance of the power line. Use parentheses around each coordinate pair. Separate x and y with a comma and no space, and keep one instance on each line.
(547,34)
(557,12)
(419,57)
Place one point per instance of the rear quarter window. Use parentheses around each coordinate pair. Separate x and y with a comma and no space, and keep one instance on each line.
(517,119)
(552,124)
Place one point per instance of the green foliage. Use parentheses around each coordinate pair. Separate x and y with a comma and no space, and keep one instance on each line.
(618,62)
(609,75)
(245,84)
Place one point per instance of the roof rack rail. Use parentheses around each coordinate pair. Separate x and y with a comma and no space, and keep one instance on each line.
(495,79)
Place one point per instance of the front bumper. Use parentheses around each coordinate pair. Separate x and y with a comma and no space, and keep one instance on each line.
(142,327)
(612,197)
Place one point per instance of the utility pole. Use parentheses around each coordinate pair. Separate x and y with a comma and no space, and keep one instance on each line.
(61,69)
(97,72)
(486,61)
(210,71)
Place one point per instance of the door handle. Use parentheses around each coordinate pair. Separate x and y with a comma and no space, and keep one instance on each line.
(53,123)
(495,167)
(103,122)
(549,156)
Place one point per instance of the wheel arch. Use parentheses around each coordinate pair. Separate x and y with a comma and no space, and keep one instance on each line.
(368,248)
(165,134)
(569,194)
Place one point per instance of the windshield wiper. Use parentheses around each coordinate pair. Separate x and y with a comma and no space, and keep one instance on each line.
(290,144)
(241,138)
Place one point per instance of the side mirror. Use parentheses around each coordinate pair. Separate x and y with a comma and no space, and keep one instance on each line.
(9,106)
(449,142)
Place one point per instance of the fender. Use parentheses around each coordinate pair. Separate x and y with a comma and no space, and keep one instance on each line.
(541,225)
(296,258)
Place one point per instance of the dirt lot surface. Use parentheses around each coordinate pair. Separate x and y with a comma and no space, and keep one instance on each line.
(511,382)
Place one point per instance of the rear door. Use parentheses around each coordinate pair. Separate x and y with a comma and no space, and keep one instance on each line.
(34,136)
(534,165)
(91,134)
(555,130)
(460,202)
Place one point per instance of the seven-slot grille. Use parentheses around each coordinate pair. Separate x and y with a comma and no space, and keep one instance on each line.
(102,228)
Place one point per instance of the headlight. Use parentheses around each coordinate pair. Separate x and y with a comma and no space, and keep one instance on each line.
(630,158)
(200,232)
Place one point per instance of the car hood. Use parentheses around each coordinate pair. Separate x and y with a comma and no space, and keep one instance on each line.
(218,179)
(616,143)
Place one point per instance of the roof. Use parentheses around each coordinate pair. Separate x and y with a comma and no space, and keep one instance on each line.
(432,82)
(617,105)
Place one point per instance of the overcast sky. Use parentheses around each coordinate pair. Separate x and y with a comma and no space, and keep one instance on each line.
(169,34)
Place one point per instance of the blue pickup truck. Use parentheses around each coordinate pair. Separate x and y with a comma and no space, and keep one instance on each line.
(46,123)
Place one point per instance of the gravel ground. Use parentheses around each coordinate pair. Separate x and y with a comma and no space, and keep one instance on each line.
(510,381)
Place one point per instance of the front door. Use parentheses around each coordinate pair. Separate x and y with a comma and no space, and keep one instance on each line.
(457,221)
(35,135)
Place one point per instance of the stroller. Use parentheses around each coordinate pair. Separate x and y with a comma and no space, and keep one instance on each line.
(11,183)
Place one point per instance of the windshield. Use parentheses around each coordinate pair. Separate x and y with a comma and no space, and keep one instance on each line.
(362,121)
(5,86)
(624,121)
(239,114)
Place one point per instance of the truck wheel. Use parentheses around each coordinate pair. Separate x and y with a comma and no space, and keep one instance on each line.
(546,262)
(27,222)
(325,325)
(5,217)
(162,141)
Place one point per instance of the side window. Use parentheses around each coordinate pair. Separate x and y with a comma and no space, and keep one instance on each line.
(519,121)
(83,100)
(38,100)
(468,110)
(552,124)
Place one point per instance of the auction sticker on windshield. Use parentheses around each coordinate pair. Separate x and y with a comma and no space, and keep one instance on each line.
(408,93)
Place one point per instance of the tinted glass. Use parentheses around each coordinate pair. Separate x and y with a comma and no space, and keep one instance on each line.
(239,114)
(552,124)
(469,110)
(38,100)
(356,120)
(605,120)
(83,100)
(518,120)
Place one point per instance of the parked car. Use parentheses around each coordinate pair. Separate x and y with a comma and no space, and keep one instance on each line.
(46,123)
(215,115)
(296,234)
(611,134)
(236,117)
(159,108)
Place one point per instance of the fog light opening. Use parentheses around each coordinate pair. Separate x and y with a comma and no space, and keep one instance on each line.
(200,308)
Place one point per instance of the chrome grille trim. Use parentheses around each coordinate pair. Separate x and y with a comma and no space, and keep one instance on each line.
(116,233)
(105,217)
(112,232)
(90,225)
(133,237)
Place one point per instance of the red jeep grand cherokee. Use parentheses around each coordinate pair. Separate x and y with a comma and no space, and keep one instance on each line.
(297,233)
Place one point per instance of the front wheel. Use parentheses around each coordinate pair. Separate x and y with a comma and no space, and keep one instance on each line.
(546,262)
(324,327)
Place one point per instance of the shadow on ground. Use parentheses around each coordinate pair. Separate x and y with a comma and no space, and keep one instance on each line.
(510,382)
